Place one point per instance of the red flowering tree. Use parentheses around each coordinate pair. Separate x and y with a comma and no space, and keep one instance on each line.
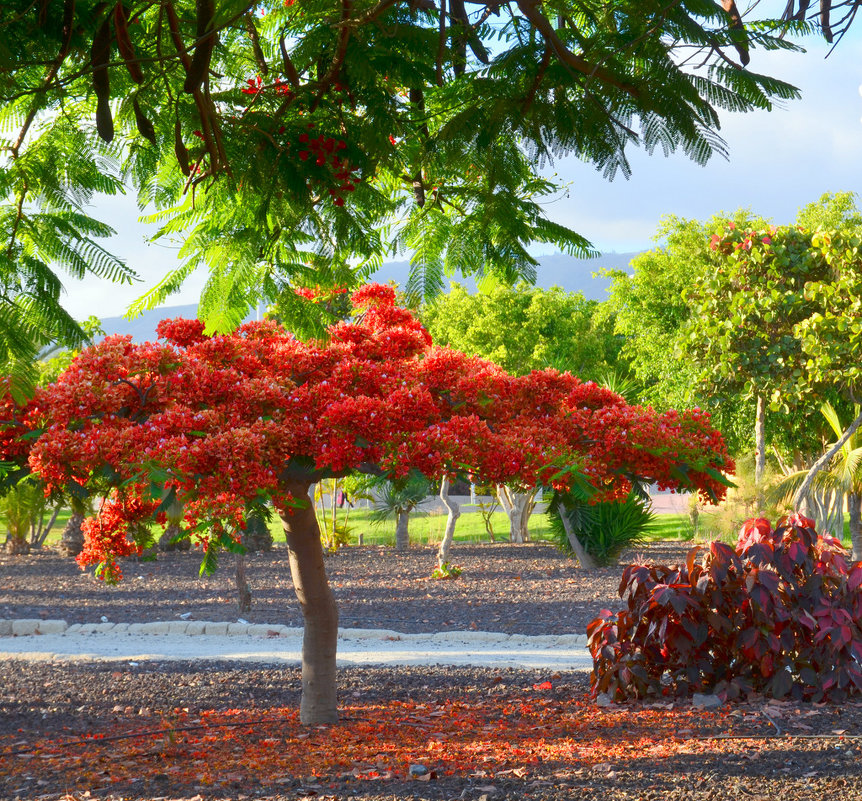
(225,423)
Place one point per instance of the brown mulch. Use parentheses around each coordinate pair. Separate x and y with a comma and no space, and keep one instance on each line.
(769,752)
(515,589)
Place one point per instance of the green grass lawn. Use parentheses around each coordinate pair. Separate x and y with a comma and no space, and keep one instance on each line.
(427,529)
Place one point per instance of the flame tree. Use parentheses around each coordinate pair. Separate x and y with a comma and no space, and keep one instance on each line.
(225,423)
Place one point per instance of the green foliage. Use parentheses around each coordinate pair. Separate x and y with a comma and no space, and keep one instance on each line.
(443,136)
(446,571)
(605,529)
(25,509)
(395,496)
(525,328)
(742,502)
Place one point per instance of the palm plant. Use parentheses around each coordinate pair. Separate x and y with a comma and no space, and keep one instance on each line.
(835,488)
(398,498)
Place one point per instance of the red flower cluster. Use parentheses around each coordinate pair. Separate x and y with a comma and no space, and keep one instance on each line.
(220,418)
(323,151)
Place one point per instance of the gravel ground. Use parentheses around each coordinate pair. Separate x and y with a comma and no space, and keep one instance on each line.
(516,589)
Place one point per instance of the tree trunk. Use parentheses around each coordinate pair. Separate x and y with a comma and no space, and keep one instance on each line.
(72,539)
(526,513)
(517,506)
(319,611)
(256,535)
(587,561)
(854,510)
(17,546)
(802,493)
(169,542)
(39,531)
(402,535)
(454,514)
(243,591)
(760,449)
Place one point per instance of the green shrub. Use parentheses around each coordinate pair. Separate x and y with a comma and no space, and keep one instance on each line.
(604,529)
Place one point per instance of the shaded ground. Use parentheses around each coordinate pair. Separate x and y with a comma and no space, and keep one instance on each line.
(515,589)
(217,731)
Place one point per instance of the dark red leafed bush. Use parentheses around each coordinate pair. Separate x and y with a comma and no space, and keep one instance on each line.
(781,614)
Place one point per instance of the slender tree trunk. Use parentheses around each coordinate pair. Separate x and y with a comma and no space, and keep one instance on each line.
(243,591)
(40,533)
(72,540)
(515,505)
(402,535)
(760,449)
(454,513)
(526,513)
(587,561)
(319,611)
(802,493)
(854,510)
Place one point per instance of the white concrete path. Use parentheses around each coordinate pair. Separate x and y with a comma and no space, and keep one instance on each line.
(51,640)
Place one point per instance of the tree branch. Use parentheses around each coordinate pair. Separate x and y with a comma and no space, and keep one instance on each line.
(578,63)
(802,493)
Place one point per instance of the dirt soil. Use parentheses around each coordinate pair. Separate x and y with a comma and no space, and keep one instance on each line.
(791,752)
(515,589)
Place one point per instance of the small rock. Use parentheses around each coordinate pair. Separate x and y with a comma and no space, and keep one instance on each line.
(603,699)
(704,701)
(418,770)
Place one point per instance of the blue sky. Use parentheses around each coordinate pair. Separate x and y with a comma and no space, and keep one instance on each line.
(779,161)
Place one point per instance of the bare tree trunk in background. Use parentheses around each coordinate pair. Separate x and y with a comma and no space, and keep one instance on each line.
(801,495)
(454,513)
(517,506)
(319,610)
(402,535)
(243,591)
(760,449)
(854,509)
(72,539)
(587,561)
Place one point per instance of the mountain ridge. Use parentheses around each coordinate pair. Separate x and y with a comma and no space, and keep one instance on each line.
(557,269)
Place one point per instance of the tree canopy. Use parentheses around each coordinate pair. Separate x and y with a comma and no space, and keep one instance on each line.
(525,328)
(305,141)
(225,424)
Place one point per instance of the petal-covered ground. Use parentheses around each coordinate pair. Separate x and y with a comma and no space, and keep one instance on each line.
(405,733)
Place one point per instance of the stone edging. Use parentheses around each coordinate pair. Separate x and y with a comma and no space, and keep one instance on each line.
(29,627)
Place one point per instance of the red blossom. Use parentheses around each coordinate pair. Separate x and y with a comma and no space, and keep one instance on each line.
(221,416)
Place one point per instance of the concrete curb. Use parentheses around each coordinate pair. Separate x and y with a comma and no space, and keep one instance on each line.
(29,627)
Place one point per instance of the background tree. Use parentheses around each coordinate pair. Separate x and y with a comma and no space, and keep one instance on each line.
(653,311)
(227,423)
(305,141)
(525,328)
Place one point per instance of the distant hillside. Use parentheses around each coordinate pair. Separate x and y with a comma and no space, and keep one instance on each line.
(573,275)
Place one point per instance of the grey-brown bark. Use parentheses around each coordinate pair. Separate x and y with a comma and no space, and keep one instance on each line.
(402,534)
(854,510)
(319,611)
(454,512)
(587,561)
(243,591)
(760,449)
(72,539)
